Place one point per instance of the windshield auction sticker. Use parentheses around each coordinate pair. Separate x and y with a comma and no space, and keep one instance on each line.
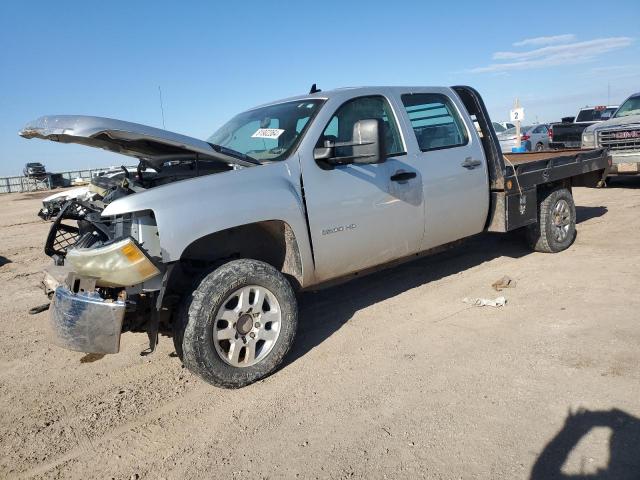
(268,133)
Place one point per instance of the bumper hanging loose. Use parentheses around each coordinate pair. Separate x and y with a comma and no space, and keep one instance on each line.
(85,322)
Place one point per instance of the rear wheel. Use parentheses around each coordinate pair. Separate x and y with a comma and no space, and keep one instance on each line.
(539,147)
(556,227)
(238,324)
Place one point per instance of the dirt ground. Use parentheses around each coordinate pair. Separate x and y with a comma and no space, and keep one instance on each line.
(392,375)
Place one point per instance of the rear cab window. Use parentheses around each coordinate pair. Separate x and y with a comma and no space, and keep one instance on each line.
(435,121)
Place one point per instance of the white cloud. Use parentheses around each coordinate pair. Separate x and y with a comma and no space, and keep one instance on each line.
(550,56)
(567,37)
(615,71)
(590,47)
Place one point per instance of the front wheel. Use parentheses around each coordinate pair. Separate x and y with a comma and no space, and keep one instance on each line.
(539,147)
(556,227)
(238,324)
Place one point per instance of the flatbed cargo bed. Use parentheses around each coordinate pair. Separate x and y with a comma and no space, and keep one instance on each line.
(527,157)
(515,205)
(516,179)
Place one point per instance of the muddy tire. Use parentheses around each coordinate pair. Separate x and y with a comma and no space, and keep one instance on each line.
(556,227)
(238,324)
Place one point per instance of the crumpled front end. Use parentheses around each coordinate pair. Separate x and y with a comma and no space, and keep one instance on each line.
(106,276)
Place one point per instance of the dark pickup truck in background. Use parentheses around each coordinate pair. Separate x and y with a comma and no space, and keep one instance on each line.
(34,170)
(568,133)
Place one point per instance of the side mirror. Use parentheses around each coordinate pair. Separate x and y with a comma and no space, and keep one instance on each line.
(367,145)
(368,141)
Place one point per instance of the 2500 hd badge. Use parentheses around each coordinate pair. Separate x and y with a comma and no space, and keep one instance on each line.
(342,228)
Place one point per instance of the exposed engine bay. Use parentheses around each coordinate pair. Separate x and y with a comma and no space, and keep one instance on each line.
(85,206)
(112,185)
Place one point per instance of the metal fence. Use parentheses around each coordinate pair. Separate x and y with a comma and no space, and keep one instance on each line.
(52,180)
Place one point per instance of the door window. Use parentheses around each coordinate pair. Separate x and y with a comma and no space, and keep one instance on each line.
(435,121)
(340,127)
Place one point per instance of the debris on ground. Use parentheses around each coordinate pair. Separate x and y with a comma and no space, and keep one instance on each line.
(504,282)
(486,302)
(39,308)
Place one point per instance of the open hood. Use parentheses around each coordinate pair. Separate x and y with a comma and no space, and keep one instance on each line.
(153,145)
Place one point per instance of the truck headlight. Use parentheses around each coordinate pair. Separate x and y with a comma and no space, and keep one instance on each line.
(119,264)
(588,140)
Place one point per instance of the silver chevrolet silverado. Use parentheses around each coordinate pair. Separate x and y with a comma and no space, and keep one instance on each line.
(211,240)
(621,135)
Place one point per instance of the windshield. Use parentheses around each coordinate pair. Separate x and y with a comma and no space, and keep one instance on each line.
(630,107)
(267,133)
(595,114)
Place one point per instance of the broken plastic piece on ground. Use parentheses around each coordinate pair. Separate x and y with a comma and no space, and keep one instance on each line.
(504,282)
(486,302)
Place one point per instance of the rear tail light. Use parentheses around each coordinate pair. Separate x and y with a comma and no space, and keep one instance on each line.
(551,134)
(525,137)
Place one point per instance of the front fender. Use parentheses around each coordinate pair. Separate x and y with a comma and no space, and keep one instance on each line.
(191,209)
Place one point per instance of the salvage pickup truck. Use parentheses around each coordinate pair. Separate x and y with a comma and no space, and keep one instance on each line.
(215,242)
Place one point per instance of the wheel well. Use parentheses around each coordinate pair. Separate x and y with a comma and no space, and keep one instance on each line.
(271,241)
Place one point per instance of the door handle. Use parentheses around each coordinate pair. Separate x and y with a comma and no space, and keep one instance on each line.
(469,163)
(400,176)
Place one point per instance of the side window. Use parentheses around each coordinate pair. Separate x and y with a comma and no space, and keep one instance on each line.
(539,129)
(435,121)
(340,127)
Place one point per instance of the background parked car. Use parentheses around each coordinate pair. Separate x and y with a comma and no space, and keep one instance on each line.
(533,138)
(34,170)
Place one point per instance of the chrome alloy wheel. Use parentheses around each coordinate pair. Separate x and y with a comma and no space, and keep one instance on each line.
(247,326)
(561,220)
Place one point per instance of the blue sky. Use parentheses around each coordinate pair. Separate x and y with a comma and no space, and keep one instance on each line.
(214,59)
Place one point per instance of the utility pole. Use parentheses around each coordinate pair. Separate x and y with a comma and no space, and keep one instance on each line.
(161,107)
(516,105)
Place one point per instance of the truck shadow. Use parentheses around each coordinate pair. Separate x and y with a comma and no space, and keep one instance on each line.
(631,181)
(624,447)
(324,312)
(4,260)
(587,213)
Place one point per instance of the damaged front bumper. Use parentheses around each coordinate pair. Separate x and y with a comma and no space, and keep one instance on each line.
(85,322)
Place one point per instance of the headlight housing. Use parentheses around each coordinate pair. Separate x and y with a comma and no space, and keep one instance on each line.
(588,140)
(119,264)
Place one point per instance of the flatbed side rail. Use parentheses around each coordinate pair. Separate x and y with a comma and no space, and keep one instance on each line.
(558,167)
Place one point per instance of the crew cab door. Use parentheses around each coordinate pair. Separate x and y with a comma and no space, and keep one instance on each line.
(362,215)
(451,157)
